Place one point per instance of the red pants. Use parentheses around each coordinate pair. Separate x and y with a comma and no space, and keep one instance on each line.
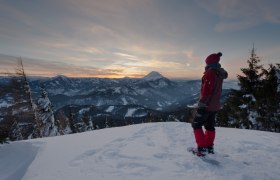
(206,119)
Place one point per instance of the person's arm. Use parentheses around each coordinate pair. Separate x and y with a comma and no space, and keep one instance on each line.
(207,89)
(224,73)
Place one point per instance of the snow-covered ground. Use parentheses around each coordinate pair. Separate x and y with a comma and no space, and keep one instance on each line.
(146,151)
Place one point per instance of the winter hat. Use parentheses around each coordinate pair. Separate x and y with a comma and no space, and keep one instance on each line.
(213,58)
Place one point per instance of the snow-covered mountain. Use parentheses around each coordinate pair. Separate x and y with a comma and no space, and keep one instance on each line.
(152,91)
(153,76)
(146,151)
(117,98)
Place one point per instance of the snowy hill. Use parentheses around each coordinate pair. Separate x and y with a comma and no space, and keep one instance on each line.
(146,151)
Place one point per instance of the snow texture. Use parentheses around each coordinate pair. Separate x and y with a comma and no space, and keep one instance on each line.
(44,104)
(4,104)
(130,112)
(124,101)
(110,109)
(118,90)
(159,104)
(146,151)
(243,106)
(250,96)
(82,111)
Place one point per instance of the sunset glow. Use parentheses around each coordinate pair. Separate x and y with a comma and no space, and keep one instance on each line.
(120,38)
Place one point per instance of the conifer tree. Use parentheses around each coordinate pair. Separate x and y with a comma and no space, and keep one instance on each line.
(25,117)
(106,122)
(6,122)
(87,126)
(3,136)
(257,104)
(269,103)
(72,123)
(62,122)
(234,112)
(45,115)
(16,132)
(240,109)
(250,86)
(5,126)
(250,82)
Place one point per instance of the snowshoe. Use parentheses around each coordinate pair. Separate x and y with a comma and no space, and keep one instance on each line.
(198,151)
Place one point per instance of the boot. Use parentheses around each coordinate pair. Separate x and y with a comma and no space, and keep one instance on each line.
(199,151)
(210,150)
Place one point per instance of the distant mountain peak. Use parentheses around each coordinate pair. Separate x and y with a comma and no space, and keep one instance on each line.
(153,76)
(62,77)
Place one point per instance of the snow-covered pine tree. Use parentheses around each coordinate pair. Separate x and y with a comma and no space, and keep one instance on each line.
(240,109)
(250,85)
(16,132)
(3,134)
(45,115)
(3,137)
(257,104)
(231,114)
(25,117)
(72,123)
(87,126)
(269,101)
(106,122)
(6,122)
(250,82)
(62,122)
(6,126)
(95,124)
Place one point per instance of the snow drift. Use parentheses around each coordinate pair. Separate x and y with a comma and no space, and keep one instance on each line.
(145,151)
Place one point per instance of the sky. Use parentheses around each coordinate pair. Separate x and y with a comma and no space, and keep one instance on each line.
(118,38)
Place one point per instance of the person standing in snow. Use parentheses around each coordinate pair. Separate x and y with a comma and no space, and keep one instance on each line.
(208,105)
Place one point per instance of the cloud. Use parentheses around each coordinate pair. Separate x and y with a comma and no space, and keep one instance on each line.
(234,26)
(93,50)
(166,59)
(127,56)
(15,14)
(54,44)
(242,14)
(36,67)
(152,64)
(129,71)
(163,64)
(191,55)
(133,37)
(158,51)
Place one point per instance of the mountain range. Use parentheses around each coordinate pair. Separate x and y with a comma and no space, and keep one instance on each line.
(116,99)
(152,91)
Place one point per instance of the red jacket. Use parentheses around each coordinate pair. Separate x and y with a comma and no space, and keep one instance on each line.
(211,88)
